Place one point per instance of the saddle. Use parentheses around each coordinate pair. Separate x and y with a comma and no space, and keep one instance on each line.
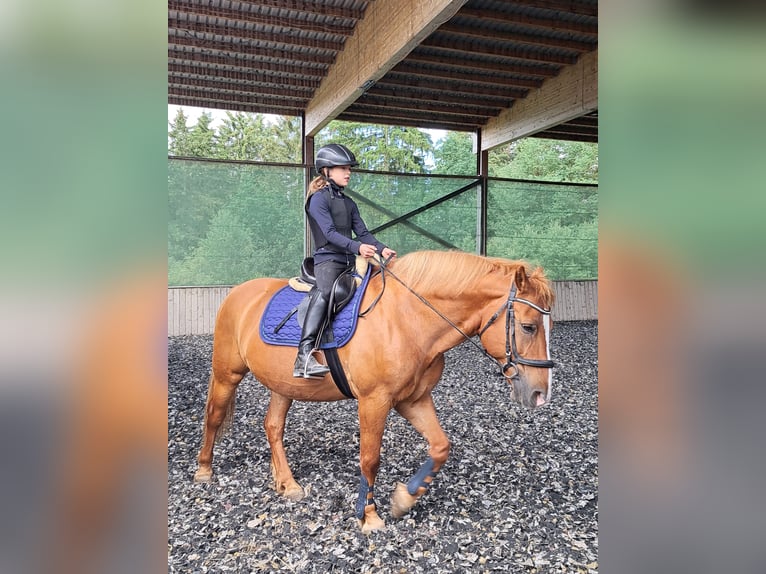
(282,319)
(344,287)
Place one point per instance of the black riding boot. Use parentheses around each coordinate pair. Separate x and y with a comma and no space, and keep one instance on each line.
(306,365)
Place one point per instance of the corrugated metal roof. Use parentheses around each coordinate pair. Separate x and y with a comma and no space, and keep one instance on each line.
(271,56)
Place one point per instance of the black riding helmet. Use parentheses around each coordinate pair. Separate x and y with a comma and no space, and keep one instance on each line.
(333,155)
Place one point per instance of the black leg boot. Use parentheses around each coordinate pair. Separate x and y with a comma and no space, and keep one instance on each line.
(306,365)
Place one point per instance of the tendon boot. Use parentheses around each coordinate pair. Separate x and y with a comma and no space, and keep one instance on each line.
(306,365)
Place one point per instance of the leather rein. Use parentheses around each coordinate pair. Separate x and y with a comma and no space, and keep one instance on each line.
(512,357)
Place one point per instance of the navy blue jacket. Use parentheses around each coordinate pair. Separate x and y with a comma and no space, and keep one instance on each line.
(339,247)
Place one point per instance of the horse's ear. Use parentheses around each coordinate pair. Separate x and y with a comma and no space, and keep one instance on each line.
(521,279)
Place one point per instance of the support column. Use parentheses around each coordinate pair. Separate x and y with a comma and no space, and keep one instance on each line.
(482,169)
(308,161)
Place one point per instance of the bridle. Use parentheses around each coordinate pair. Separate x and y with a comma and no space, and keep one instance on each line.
(512,357)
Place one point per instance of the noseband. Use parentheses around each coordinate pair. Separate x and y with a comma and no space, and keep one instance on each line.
(512,357)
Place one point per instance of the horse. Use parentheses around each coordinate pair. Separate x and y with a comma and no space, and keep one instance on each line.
(394,359)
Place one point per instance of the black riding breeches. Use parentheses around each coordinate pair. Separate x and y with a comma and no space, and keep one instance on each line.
(326,273)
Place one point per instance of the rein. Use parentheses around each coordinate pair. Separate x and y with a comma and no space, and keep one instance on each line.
(512,357)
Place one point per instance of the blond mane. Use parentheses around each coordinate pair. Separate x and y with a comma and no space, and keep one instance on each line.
(426,270)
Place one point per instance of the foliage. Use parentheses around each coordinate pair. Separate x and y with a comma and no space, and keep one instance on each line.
(550,160)
(454,154)
(556,227)
(230,222)
(178,134)
(380,148)
(233,221)
(241,136)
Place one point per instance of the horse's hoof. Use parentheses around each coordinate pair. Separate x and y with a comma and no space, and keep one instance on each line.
(203,475)
(294,494)
(371,521)
(401,500)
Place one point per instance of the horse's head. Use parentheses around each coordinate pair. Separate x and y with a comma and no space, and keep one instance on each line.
(518,336)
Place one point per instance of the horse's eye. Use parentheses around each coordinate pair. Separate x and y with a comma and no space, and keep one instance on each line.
(529,328)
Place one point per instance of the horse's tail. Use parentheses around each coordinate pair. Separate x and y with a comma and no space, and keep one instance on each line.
(228,417)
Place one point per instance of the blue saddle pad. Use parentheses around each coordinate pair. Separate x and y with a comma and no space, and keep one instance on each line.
(289,334)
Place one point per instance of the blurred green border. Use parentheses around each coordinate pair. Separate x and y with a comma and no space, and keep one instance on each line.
(681,114)
(84,139)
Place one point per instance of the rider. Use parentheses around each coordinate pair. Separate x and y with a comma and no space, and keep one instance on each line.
(332,216)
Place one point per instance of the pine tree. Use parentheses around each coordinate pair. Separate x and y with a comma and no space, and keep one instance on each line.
(381,148)
(178,135)
(201,139)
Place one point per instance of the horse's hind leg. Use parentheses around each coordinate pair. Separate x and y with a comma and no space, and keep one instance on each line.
(274,424)
(219,410)
(422,415)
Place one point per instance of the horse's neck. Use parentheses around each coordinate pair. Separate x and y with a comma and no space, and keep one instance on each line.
(451,318)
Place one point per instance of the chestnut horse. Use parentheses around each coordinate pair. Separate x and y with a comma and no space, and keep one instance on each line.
(394,360)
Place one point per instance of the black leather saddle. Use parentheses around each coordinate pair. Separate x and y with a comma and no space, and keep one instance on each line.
(342,290)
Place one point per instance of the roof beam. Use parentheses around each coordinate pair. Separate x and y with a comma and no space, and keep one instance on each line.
(251,77)
(237,106)
(409,122)
(504,67)
(275,95)
(244,48)
(303,6)
(407,92)
(456,44)
(455,86)
(204,31)
(515,37)
(430,106)
(457,115)
(573,93)
(439,73)
(390,30)
(224,15)
(545,23)
(571,6)
(237,63)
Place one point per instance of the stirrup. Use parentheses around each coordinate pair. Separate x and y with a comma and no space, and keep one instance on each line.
(317,366)
(319,371)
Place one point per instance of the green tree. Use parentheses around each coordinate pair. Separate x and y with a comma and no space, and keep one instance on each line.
(243,136)
(454,154)
(566,252)
(552,160)
(286,139)
(178,135)
(381,148)
(202,138)
(196,192)
(500,158)
(253,233)
(224,256)
(551,224)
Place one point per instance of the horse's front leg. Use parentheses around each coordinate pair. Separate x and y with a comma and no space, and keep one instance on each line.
(372,421)
(422,415)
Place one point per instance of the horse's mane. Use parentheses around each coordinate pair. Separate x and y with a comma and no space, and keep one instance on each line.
(424,270)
